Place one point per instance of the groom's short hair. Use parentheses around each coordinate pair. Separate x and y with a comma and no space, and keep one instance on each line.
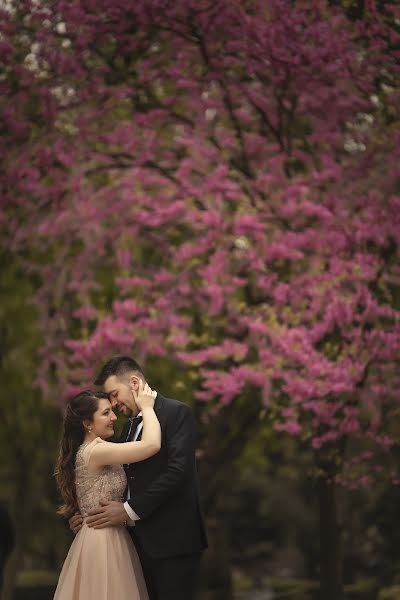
(119,366)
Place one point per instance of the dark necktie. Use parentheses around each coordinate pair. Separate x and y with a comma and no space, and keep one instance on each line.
(133,426)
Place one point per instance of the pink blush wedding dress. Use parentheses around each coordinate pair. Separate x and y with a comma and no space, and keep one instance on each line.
(102,564)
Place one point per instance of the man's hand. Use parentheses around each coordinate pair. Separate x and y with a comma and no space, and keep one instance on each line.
(109,514)
(75,522)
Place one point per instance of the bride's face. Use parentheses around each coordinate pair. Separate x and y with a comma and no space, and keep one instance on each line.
(103,420)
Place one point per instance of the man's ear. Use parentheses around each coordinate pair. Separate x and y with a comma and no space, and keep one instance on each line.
(134,381)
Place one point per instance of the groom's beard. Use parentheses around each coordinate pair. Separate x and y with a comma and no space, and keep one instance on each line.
(124,410)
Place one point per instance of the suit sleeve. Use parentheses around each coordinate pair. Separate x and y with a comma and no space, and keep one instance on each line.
(180,440)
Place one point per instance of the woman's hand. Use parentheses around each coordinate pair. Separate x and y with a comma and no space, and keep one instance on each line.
(144,396)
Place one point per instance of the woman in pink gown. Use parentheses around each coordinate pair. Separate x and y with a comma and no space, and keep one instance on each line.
(102,564)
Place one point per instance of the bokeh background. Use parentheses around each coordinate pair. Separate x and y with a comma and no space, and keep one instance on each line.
(214,189)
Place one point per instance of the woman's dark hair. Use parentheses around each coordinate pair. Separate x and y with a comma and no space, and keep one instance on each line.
(80,408)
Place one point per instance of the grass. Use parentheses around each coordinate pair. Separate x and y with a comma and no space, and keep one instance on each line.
(36,578)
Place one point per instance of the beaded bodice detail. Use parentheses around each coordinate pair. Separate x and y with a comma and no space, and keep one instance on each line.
(107,483)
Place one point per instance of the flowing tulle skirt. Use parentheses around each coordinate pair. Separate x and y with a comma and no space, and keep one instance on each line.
(102,564)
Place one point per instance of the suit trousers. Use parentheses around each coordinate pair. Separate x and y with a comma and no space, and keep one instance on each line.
(170,578)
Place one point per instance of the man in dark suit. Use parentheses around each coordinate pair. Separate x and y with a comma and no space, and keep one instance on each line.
(162,497)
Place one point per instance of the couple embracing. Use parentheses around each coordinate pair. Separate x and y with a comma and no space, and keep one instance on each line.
(134,505)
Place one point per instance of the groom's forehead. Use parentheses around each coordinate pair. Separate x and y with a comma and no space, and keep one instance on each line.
(111,384)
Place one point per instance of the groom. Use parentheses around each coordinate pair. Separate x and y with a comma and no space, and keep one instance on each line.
(162,497)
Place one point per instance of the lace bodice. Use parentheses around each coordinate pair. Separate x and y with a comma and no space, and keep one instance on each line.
(108,483)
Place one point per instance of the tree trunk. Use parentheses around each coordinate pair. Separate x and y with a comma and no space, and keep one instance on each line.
(10,573)
(224,438)
(21,516)
(331,580)
(216,577)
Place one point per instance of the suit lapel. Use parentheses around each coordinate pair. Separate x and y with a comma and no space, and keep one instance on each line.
(158,409)
(124,433)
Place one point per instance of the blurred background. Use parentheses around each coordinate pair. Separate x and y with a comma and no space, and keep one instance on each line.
(214,189)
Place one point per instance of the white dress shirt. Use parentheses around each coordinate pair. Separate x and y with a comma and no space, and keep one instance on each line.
(131,513)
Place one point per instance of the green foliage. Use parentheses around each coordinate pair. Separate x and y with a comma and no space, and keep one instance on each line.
(390,593)
(35,585)
(272,509)
(364,589)
(35,578)
(292,589)
(242,583)
(30,426)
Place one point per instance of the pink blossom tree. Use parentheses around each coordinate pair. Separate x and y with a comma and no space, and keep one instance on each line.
(219,183)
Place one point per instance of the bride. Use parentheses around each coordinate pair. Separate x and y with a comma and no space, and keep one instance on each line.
(102,564)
